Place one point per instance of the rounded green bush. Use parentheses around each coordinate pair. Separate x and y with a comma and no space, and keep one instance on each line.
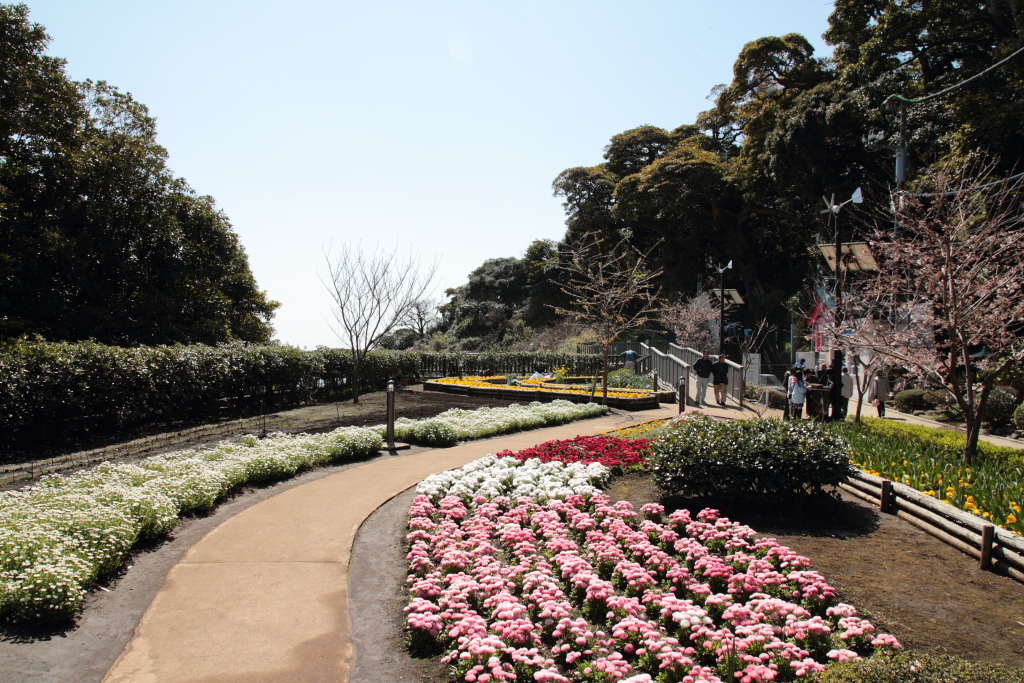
(909,400)
(704,457)
(999,406)
(1018,416)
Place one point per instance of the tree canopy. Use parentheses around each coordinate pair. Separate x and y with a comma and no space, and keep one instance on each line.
(98,238)
(744,181)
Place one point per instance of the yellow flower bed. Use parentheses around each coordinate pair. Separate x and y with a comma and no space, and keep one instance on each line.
(640,430)
(536,385)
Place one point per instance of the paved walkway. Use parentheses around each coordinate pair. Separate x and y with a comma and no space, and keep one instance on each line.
(263,597)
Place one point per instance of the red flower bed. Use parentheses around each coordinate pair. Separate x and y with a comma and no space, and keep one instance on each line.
(612,452)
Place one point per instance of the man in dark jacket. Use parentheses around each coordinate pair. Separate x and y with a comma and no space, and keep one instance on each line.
(703,369)
(720,372)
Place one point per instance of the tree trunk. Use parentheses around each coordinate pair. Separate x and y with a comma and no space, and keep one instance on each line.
(973,419)
(356,367)
(604,381)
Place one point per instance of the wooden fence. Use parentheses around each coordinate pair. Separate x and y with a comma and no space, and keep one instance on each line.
(996,549)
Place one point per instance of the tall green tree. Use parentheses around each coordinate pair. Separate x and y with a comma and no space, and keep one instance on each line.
(98,239)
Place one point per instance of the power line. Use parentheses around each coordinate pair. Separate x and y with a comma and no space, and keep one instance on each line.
(967,189)
(919,100)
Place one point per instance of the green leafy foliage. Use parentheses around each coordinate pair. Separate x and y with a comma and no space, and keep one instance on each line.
(98,239)
(909,400)
(916,667)
(45,383)
(1000,406)
(706,457)
(1018,416)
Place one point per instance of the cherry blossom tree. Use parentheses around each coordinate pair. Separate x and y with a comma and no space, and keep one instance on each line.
(689,320)
(946,302)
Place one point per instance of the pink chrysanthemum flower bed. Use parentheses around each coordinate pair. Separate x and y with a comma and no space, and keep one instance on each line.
(583,590)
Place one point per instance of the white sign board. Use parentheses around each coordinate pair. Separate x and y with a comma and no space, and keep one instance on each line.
(752,368)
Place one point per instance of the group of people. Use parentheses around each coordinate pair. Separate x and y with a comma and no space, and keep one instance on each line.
(717,374)
(798,377)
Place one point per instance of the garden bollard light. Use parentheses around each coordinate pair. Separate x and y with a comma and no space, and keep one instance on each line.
(391,414)
(682,394)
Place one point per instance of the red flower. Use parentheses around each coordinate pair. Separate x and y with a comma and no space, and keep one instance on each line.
(610,451)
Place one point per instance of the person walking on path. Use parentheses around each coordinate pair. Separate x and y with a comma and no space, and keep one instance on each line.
(720,375)
(845,392)
(878,392)
(785,386)
(703,369)
(796,393)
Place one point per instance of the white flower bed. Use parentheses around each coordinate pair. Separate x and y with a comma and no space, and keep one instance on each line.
(491,476)
(59,536)
(456,424)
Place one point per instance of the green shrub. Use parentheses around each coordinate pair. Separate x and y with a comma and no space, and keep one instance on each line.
(936,398)
(906,667)
(627,379)
(44,386)
(1018,416)
(909,400)
(702,457)
(999,405)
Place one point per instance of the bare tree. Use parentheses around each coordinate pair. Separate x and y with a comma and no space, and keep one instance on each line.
(421,317)
(864,365)
(372,293)
(611,289)
(947,303)
(690,320)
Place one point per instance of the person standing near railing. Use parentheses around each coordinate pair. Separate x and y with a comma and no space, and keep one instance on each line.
(702,368)
(720,375)
(629,357)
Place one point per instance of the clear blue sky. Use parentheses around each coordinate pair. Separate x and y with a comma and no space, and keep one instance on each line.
(437,126)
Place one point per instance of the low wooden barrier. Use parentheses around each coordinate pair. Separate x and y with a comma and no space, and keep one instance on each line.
(996,549)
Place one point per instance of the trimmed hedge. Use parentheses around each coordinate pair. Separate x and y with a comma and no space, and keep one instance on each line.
(761,457)
(46,387)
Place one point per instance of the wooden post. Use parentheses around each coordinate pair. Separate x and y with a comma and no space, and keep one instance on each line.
(683,389)
(654,383)
(987,533)
(885,503)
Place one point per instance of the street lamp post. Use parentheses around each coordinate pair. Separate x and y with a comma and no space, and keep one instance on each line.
(837,353)
(721,304)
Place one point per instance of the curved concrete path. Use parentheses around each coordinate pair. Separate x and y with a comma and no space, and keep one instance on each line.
(263,597)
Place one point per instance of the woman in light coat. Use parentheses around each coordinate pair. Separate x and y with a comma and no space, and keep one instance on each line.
(797,392)
(878,392)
